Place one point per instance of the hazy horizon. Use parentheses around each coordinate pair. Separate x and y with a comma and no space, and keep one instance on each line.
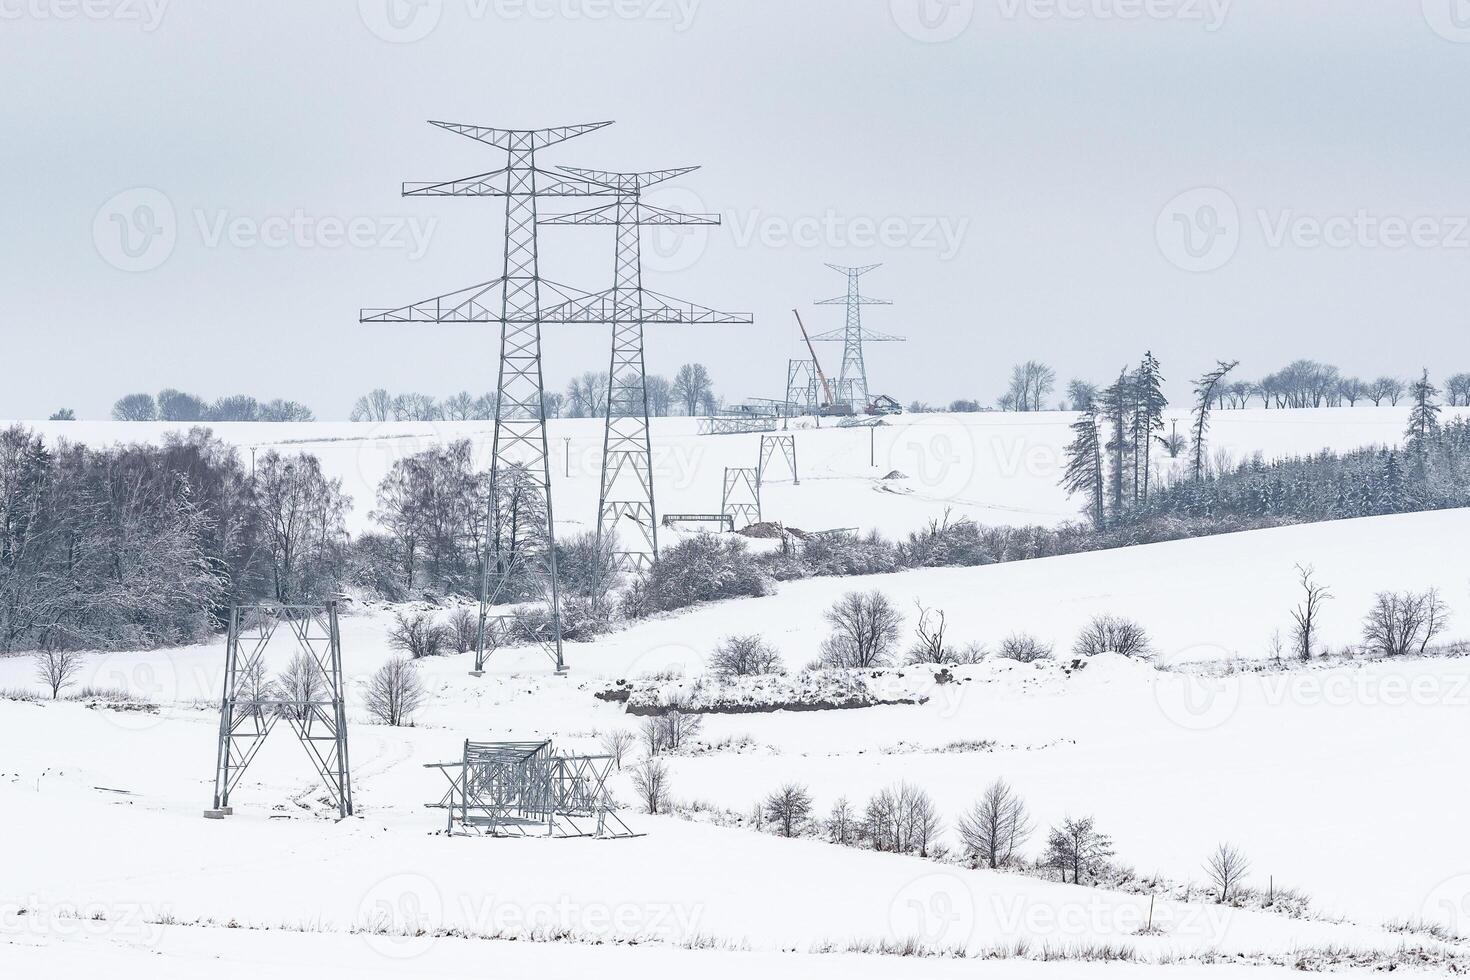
(203,197)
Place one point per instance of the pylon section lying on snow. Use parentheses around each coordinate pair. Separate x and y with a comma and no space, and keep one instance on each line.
(525,789)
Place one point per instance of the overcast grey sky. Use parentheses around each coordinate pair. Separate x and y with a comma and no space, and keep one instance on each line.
(1069,180)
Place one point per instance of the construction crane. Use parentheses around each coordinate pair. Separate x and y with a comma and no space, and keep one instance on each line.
(831,407)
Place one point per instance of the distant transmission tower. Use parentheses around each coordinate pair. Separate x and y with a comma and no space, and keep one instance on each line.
(626,504)
(515,302)
(853,382)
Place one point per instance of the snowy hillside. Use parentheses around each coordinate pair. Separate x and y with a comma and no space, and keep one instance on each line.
(1171,757)
(998,468)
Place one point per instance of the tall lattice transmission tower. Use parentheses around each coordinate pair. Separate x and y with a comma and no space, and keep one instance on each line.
(521,458)
(853,381)
(626,503)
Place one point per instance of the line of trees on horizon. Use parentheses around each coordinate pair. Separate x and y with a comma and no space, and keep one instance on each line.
(1301,384)
(689,392)
(171,405)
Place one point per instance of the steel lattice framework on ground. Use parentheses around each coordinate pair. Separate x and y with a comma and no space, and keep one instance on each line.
(626,508)
(520,789)
(741,499)
(854,376)
(311,704)
(516,302)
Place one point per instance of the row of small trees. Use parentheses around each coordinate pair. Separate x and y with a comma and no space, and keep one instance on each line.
(903,819)
(1301,384)
(689,392)
(180,406)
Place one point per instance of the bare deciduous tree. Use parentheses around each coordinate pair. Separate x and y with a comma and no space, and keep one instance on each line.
(57,669)
(929,645)
(1402,622)
(789,808)
(616,743)
(865,628)
(395,692)
(1307,615)
(996,825)
(301,686)
(901,819)
(1226,867)
(1077,846)
(651,783)
(842,824)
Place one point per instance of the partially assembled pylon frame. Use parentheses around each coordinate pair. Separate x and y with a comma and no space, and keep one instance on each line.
(310,701)
(525,789)
(741,497)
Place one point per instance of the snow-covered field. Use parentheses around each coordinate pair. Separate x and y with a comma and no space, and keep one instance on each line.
(998,468)
(1339,779)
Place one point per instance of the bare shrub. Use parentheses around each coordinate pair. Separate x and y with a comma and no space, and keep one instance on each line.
(651,783)
(417,635)
(1226,867)
(996,826)
(616,743)
(57,669)
(463,629)
(789,808)
(1025,648)
(395,692)
(745,656)
(1404,622)
(865,628)
(1113,634)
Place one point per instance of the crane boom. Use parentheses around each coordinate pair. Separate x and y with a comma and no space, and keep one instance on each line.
(821,375)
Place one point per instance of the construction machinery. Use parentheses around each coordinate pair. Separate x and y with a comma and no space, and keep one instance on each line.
(830,405)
